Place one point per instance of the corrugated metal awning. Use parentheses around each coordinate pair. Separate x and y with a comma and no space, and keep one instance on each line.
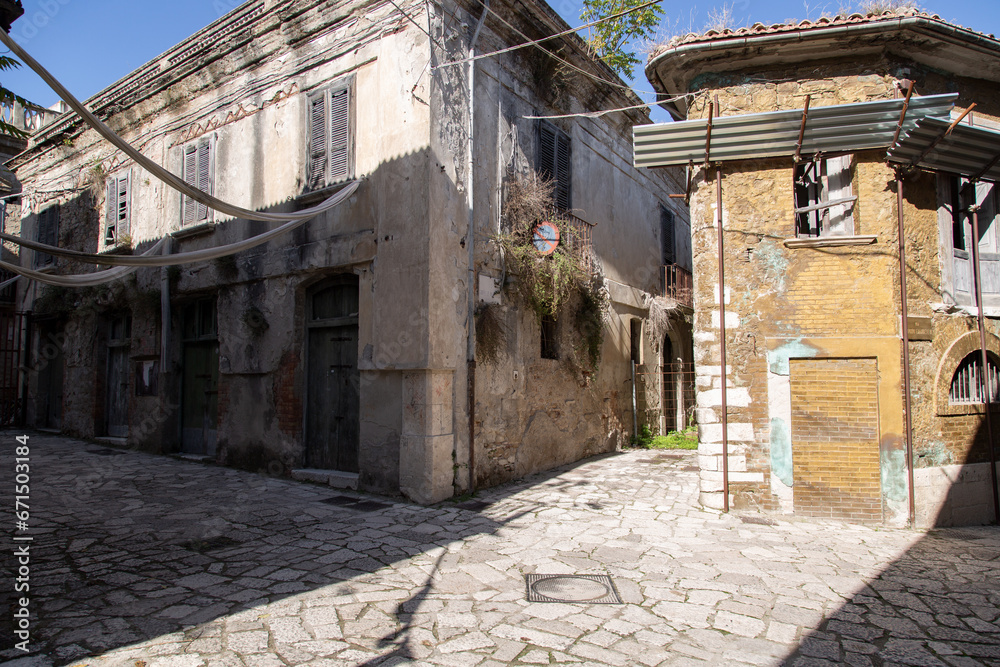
(838,128)
(967,151)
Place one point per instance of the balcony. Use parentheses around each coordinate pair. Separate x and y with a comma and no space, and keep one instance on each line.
(574,234)
(677,285)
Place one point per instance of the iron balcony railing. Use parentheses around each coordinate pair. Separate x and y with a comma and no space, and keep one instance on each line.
(677,285)
(574,234)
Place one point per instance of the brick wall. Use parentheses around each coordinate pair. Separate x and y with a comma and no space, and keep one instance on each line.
(835,455)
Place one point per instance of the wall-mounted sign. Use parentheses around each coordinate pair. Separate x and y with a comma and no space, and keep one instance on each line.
(920,328)
(545,237)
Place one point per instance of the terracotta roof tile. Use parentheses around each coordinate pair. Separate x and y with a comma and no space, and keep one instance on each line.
(822,22)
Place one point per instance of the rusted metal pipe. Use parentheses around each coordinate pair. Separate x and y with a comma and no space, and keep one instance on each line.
(906,348)
(722,340)
(982,351)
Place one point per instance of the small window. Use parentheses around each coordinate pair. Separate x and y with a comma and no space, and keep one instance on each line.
(635,340)
(330,144)
(199,321)
(198,171)
(824,200)
(47,233)
(118,212)
(666,235)
(550,346)
(967,382)
(554,162)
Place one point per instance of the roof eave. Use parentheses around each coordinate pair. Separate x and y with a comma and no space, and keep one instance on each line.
(672,71)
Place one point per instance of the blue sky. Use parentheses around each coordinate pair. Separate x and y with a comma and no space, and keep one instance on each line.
(89,44)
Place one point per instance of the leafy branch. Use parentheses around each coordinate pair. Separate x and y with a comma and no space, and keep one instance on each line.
(611,39)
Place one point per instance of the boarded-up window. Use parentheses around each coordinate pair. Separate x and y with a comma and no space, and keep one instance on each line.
(199,168)
(554,162)
(329,159)
(48,233)
(118,212)
(824,200)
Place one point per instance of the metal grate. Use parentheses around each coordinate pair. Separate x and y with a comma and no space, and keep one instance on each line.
(580,588)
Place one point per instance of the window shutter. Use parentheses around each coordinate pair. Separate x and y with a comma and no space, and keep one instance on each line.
(48,233)
(204,175)
(111,216)
(667,235)
(340,132)
(563,172)
(317,141)
(190,206)
(123,223)
(546,151)
(838,180)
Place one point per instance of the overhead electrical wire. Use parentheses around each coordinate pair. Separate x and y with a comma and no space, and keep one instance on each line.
(535,42)
(597,114)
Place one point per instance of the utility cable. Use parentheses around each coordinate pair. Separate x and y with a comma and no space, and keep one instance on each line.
(545,39)
(598,114)
(595,77)
(167,177)
(181,257)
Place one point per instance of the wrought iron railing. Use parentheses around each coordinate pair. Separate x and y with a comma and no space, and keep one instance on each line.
(677,285)
(574,234)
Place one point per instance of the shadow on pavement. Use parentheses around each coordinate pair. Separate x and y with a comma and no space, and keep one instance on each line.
(130,546)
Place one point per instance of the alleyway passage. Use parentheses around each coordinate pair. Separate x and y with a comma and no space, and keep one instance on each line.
(149,561)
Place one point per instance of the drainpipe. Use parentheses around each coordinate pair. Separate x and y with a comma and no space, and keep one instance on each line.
(722,341)
(470,240)
(982,352)
(906,348)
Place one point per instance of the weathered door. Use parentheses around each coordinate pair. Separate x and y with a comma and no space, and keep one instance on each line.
(333,408)
(200,384)
(116,391)
(50,377)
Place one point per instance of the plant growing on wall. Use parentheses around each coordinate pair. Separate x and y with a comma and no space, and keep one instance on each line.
(550,283)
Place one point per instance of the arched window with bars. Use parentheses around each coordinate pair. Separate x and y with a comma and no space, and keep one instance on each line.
(967,382)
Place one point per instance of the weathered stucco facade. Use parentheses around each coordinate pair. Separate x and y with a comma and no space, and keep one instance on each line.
(814,341)
(356,324)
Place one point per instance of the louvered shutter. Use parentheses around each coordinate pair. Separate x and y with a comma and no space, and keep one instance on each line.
(124,206)
(554,161)
(204,176)
(340,134)
(318,141)
(48,234)
(563,173)
(667,235)
(190,206)
(111,215)
(838,186)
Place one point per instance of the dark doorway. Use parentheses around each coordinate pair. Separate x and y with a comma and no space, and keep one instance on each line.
(116,391)
(333,408)
(50,376)
(200,389)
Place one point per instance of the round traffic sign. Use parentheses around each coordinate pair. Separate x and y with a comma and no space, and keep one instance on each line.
(545,237)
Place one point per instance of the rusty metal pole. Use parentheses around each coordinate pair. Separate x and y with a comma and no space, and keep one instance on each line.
(906,349)
(722,340)
(985,377)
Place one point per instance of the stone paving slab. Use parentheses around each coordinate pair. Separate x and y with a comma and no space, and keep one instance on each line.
(148,561)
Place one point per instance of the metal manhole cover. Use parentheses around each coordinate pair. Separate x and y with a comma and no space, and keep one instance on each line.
(588,588)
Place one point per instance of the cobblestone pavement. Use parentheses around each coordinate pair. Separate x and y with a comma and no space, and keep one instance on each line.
(149,561)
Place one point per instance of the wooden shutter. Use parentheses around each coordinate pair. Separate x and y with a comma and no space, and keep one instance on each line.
(124,206)
(554,162)
(190,206)
(340,134)
(838,186)
(48,233)
(111,211)
(667,235)
(204,175)
(318,141)
(989,258)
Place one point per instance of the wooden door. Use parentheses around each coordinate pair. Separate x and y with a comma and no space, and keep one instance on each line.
(50,378)
(333,407)
(116,390)
(200,381)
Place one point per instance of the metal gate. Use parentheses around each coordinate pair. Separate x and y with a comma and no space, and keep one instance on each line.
(13,381)
(665,396)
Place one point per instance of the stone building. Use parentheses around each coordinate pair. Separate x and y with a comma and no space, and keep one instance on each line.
(343,350)
(816,408)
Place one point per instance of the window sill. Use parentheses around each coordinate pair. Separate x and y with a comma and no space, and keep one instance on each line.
(313,197)
(830,241)
(194,230)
